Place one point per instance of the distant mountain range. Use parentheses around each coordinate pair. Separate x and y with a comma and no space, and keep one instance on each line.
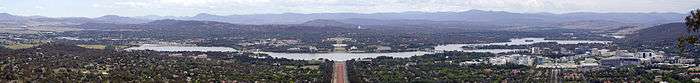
(121,20)
(8,20)
(470,20)
(332,23)
(473,19)
(495,17)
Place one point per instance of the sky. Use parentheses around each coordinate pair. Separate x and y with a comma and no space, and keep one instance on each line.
(96,8)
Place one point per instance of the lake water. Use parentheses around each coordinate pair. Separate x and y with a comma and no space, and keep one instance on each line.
(342,56)
(182,48)
(458,47)
(348,56)
(520,41)
(528,41)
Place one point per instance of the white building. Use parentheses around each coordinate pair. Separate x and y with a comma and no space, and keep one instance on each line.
(514,59)
(589,62)
(601,52)
(535,50)
(353,48)
(558,65)
(382,48)
(469,63)
(201,56)
(498,60)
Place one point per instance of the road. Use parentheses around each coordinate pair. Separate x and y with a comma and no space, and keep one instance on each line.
(339,72)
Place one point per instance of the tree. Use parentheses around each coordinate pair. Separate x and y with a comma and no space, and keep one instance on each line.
(693,23)
(693,20)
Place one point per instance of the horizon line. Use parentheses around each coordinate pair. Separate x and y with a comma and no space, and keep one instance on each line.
(573,12)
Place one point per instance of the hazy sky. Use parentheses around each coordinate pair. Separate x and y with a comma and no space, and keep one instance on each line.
(94,8)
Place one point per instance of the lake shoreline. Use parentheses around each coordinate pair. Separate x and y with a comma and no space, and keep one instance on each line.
(343,56)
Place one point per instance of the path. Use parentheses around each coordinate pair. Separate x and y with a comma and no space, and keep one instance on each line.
(339,72)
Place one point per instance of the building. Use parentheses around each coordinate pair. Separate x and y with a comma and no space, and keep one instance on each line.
(353,48)
(623,53)
(558,65)
(645,54)
(294,49)
(686,60)
(601,52)
(498,60)
(340,47)
(469,63)
(380,48)
(201,56)
(513,59)
(649,54)
(589,62)
(312,48)
(535,50)
(522,59)
(575,57)
(338,39)
(596,52)
(620,61)
(563,50)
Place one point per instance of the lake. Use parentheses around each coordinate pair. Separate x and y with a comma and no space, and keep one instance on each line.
(182,48)
(528,41)
(341,56)
(519,41)
(348,56)
(458,47)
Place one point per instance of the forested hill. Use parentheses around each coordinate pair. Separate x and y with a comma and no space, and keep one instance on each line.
(661,36)
(664,32)
(192,26)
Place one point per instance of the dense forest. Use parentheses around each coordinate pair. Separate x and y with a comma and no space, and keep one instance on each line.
(69,63)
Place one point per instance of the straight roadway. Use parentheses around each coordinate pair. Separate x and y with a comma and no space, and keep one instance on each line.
(339,72)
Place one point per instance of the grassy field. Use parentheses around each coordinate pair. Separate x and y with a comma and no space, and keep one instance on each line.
(35,29)
(20,46)
(93,46)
